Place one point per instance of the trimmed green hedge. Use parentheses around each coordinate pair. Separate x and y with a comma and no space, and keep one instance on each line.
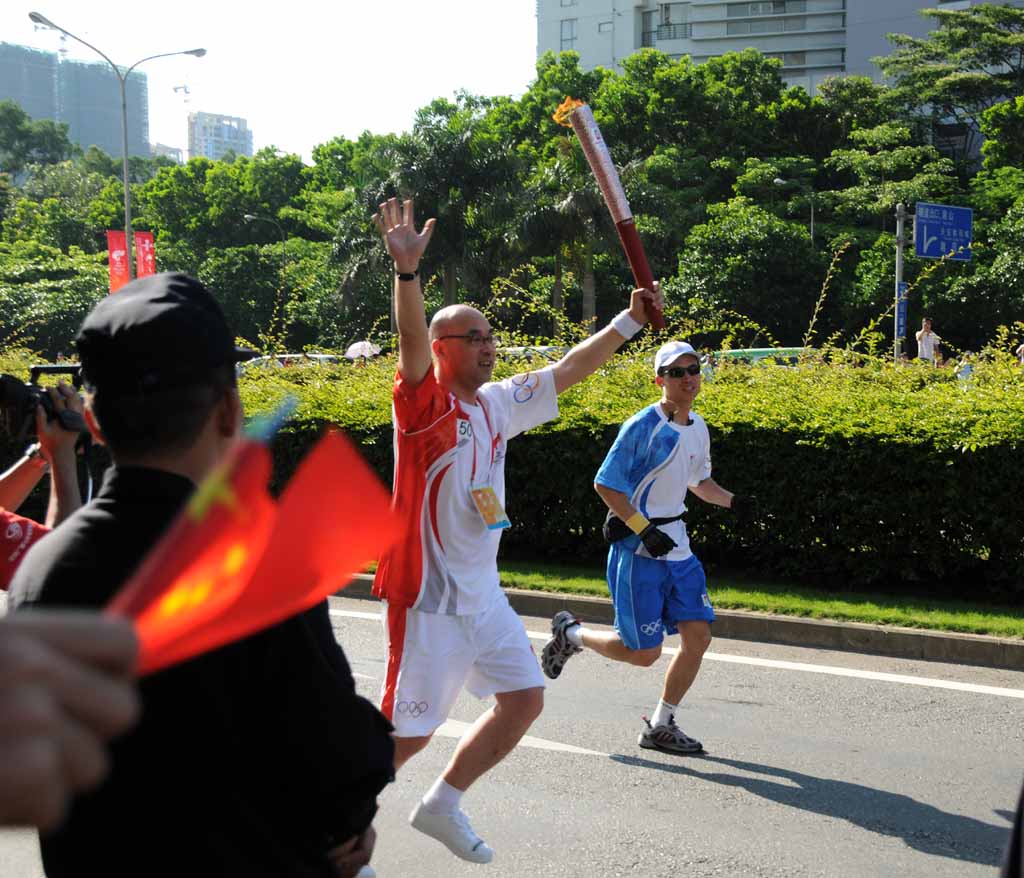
(879,475)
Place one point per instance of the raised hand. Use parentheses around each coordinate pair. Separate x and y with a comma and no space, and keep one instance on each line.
(54,438)
(639,300)
(397,227)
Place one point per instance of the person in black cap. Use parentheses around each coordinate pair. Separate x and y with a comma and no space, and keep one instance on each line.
(258,758)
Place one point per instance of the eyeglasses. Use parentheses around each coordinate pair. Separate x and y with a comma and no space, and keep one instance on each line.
(680,371)
(475,339)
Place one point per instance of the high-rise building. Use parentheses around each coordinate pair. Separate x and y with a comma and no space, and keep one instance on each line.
(89,99)
(814,39)
(212,135)
(84,94)
(172,152)
(29,78)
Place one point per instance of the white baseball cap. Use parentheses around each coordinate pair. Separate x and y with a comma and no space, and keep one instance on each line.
(670,352)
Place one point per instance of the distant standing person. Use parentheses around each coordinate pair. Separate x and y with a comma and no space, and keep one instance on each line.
(927,341)
(1020,354)
(657,583)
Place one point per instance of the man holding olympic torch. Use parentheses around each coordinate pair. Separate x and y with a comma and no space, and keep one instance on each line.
(448,623)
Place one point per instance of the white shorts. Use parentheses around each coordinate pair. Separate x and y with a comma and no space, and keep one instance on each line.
(432,655)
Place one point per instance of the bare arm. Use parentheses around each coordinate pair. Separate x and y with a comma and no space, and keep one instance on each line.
(711,492)
(397,227)
(588,356)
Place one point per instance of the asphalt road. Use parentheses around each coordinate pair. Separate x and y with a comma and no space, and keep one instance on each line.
(818,764)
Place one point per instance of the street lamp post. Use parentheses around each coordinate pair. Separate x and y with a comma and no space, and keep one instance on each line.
(778,181)
(252,218)
(122,79)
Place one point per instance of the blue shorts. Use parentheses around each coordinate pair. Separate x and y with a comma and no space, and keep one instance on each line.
(651,595)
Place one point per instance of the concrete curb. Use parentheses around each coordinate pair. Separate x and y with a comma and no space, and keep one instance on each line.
(908,643)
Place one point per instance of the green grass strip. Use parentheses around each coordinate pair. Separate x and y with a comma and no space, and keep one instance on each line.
(730,592)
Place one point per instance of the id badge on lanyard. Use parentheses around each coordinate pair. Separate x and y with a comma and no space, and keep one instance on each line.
(481,489)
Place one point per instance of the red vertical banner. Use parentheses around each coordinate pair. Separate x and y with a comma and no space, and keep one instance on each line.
(117,247)
(145,257)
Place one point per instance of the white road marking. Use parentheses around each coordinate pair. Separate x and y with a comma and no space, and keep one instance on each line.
(454,728)
(795,666)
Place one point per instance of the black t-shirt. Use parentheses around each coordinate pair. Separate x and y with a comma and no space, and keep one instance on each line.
(250,760)
(1013,859)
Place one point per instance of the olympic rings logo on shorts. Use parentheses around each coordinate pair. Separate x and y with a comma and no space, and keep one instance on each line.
(651,627)
(525,386)
(412,708)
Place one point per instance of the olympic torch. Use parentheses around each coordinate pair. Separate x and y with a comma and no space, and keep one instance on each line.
(577,115)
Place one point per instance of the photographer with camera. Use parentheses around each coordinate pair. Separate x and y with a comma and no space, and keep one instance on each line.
(54,452)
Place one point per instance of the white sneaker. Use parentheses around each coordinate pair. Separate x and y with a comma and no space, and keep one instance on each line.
(454,832)
(367,871)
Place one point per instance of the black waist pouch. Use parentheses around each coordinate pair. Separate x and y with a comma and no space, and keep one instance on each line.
(614,528)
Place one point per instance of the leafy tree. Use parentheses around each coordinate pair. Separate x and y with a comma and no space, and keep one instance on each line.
(971,61)
(246,281)
(995,192)
(175,206)
(853,103)
(459,169)
(992,294)
(362,269)
(24,140)
(564,216)
(140,168)
(45,294)
(801,125)
(8,195)
(884,169)
(1003,127)
(714,108)
(745,260)
(526,124)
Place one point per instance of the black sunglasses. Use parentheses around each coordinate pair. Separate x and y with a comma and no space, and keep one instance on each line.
(680,371)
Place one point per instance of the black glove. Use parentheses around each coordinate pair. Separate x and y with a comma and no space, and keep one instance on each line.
(656,541)
(744,506)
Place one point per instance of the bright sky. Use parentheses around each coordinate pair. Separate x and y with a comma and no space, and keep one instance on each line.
(303,72)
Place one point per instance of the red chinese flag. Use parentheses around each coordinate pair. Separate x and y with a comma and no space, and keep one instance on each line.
(249,563)
(202,564)
(145,255)
(117,248)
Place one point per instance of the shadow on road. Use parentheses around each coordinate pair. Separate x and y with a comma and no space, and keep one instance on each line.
(921,826)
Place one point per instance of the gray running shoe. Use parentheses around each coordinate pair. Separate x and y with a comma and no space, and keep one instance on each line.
(668,738)
(559,649)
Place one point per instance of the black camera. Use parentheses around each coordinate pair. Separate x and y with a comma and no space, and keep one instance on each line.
(19,400)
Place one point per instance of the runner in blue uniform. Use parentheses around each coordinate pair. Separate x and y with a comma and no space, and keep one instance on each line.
(656,582)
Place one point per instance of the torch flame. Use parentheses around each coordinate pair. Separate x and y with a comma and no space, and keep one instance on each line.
(565,110)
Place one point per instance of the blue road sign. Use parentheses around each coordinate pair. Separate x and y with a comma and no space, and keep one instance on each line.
(901,311)
(941,230)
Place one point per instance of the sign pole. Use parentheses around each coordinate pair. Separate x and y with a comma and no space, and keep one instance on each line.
(901,217)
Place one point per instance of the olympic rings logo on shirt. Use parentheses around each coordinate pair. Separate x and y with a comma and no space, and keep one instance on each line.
(651,627)
(412,708)
(525,386)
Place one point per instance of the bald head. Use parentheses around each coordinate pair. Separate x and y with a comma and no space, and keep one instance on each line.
(457,319)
